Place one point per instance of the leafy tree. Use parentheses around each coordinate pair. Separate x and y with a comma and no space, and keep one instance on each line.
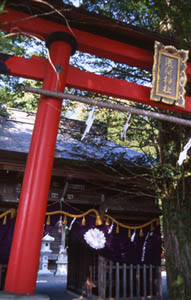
(11,88)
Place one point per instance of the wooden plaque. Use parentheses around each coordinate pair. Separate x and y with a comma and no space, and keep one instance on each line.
(169,75)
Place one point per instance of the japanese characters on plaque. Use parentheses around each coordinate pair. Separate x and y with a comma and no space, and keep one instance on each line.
(169,75)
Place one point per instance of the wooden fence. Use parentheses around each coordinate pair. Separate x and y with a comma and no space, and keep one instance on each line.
(122,281)
(113,280)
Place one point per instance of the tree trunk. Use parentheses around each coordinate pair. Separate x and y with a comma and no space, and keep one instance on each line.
(174,188)
(177,239)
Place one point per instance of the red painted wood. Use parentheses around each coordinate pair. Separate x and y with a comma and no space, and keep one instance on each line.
(188,71)
(35,68)
(25,251)
(95,45)
(119,89)
(87,42)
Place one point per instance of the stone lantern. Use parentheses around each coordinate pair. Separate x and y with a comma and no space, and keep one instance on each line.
(44,253)
(62,260)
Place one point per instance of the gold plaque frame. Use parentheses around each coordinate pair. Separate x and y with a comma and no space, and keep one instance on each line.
(169,75)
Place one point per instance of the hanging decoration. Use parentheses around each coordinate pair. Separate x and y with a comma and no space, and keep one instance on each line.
(133,236)
(71,224)
(144,247)
(89,122)
(183,154)
(126,126)
(99,221)
(109,105)
(110,228)
(61,221)
(82,215)
(11,212)
(60,224)
(95,238)
(7,225)
(129,244)
(114,240)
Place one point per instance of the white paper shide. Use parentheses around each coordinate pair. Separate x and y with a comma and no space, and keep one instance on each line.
(95,238)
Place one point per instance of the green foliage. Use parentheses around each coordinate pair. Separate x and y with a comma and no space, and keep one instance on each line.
(175,19)
(11,88)
(3,111)
(2,6)
(140,13)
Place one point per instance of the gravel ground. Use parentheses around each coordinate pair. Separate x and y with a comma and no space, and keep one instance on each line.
(54,287)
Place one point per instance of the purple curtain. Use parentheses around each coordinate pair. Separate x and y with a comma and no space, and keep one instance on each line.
(6,232)
(118,247)
(115,246)
(6,235)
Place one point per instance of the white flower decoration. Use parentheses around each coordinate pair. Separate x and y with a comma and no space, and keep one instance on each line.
(95,238)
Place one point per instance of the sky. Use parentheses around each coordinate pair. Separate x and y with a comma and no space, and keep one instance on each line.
(76,2)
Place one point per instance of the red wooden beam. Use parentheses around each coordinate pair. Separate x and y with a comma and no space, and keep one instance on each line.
(25,24)
(118,88)
(15,21)
(34,68)
(100,46)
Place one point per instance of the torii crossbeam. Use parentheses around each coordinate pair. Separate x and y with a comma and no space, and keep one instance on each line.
(34,68)
(62,41)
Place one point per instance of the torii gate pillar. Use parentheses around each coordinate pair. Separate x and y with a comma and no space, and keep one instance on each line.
(25,251)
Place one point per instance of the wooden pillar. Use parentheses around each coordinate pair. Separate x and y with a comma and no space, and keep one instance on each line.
(25,251)
(101,277)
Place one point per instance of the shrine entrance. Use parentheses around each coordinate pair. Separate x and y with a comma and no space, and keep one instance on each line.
(108,40)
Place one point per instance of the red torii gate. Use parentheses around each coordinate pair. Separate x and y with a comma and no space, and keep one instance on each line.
(94,44)
(24,257)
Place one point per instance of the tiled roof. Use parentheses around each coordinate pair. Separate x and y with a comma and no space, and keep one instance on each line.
(16,133)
